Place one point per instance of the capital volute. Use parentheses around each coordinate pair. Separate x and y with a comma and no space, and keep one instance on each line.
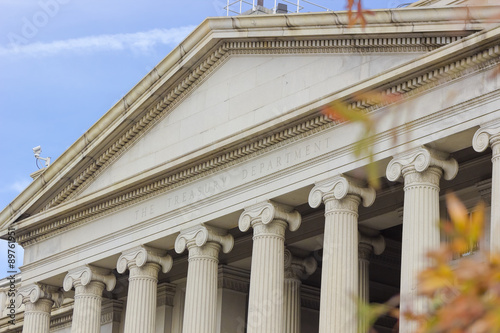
(36,291)
(268,211)
(141,255)
(421,159)
(201,235)
(339,187)
(377,243)
(485,135)
(300,268)
(84,275)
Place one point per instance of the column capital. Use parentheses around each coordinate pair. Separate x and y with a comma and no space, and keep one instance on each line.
(201,235)
(340,187)
(488,133)
(421,159)
(86,274)
(268,211)
(299,268)
(367,245)
(141,255)
(36,291)
(377,242)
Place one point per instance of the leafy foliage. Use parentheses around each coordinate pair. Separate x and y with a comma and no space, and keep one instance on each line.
(357,15)
(463,295)
(340,112)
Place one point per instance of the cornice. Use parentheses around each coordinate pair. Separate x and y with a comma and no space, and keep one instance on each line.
(445,73)
(443,20)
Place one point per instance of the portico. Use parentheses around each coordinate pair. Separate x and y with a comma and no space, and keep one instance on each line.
(206,197)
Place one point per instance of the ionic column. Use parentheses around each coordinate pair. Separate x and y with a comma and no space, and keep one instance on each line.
(421,169)
(366,246)
(490,134)
(269,221)
(38,299)
(339,276)
(89,282)
(144,263)
(296,270)
(203,243)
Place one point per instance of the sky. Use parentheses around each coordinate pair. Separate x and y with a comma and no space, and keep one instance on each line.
(64,63)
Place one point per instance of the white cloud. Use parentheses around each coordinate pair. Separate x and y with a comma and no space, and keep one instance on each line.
(19,186)
(137,42)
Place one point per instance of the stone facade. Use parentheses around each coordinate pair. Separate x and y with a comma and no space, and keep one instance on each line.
(215,197)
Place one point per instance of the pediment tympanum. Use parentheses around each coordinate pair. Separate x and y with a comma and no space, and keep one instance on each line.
(245,90)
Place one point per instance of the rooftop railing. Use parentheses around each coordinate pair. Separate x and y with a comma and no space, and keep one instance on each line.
(237,7)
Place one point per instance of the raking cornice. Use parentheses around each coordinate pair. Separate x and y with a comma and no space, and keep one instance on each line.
(162,72)
(483,58)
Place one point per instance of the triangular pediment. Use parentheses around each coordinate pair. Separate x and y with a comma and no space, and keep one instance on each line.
(199,103)
(242,92)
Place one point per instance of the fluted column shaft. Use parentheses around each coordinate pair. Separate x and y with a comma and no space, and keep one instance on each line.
(292,316)
(265,304)
(37,316)
(364,251)
(200,309)
(495,195)
(38,300)
(269,221)
(89,283)
(296,269)
(339,277)
(141,298)
(421,169)
(87,308)
(489,134)
(366,246)
(204,244)
(420,235)
(144,264)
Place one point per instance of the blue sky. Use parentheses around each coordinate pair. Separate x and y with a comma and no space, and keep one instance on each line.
(64,63)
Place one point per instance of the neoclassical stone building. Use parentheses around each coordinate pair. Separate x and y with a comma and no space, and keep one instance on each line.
(216,197)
